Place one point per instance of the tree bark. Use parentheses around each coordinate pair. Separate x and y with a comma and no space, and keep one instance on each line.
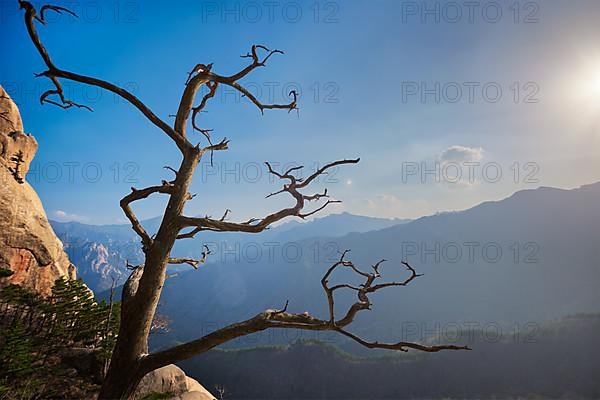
(139,306)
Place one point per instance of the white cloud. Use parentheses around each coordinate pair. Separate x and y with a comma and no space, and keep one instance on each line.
(384,204)
(461,154)
(455,173)
(63,216)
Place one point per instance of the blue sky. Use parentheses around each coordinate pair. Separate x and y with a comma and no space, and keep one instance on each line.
(406,86)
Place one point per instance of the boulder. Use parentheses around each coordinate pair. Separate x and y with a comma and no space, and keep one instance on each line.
(87,361)
(171,379)
(195,395)
(28,245)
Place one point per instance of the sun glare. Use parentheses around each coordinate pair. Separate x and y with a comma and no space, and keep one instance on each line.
(587,88)
(594,86)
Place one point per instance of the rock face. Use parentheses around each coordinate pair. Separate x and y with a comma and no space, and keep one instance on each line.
(13,140)
(171,379)
(97,265)
(28,245)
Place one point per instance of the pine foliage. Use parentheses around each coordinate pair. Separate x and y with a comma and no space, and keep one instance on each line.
(34,329)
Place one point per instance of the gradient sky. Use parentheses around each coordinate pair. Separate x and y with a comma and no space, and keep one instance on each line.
(355,63)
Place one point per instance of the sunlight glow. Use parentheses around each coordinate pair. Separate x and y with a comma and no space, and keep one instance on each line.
(594,86)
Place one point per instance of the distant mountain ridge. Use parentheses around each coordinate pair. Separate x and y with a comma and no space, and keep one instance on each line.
(530,257)
(101,251)
(548,240)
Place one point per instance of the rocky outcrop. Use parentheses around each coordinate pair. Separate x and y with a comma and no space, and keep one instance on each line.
(171,379)
(13,139)
(28,245)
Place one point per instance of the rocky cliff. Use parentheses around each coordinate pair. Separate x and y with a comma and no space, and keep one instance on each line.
(28,245)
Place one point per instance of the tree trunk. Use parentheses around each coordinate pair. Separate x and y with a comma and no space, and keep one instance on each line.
(144,288)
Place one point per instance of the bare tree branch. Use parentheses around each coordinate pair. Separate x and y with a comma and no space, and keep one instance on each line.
(53,73)
(56,9)
(198,69)
(256,62)
(139,194)
(191,261)
(209,224)
(225,215)
(284,319)
(222,145)
(204,75)
(287,106)
(400,346)
(173,170)
(212,90)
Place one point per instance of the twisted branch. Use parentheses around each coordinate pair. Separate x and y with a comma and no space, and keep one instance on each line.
(191,261)
(56,9)
(139,194)
(212,90)
(284,319)
(202,74)
(54,73)
(258,225)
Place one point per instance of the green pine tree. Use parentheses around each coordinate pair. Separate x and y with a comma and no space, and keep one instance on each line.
(16,354)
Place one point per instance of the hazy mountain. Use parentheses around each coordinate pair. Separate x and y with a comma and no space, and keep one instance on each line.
(100,251)
(530,257)
(333,225)
(553,364)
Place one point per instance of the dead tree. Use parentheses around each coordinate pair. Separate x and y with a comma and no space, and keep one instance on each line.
(131,359)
